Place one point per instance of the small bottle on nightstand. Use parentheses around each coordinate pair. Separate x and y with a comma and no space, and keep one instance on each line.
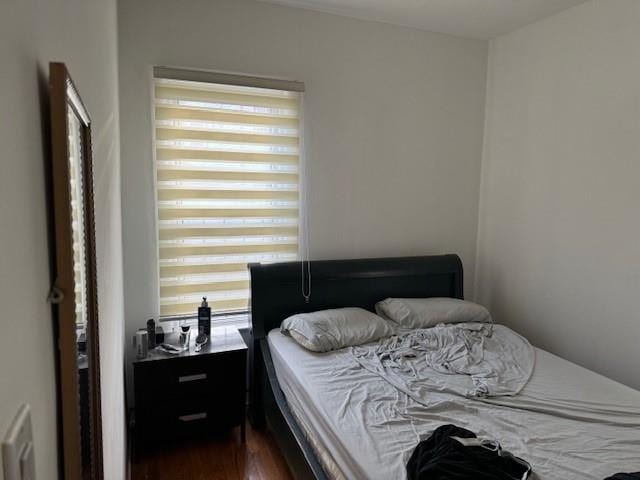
(151,334)
(204,318)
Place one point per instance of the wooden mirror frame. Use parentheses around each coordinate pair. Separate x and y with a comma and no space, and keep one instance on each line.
(65,97)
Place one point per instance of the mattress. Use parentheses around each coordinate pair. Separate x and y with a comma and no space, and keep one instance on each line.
(568,422)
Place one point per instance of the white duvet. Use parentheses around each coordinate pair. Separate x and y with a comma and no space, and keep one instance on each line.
(468,359)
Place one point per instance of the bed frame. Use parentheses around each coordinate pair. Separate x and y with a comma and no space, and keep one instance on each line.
(276,293)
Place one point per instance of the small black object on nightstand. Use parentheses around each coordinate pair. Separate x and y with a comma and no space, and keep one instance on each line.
(192,392)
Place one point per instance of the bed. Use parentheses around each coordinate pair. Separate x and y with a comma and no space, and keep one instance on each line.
(333,419)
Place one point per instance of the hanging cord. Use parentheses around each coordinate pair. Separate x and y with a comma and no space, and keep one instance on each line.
(305,279)
(306,293)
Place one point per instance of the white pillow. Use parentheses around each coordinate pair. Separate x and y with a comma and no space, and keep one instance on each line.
(427,312)
(328,330)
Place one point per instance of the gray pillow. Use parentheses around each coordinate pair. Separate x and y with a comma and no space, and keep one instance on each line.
(328,330)
(427,312)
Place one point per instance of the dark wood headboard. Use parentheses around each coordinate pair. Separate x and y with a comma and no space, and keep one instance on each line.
(276,290)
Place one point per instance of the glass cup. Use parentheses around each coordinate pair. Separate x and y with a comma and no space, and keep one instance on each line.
(185,336)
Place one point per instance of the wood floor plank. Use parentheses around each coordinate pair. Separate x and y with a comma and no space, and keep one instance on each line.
(219,458)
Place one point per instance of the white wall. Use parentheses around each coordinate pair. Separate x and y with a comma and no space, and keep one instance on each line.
(559,235)
(81,33)
(393,118)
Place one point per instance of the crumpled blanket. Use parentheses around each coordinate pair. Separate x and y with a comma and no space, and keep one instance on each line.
(468,359)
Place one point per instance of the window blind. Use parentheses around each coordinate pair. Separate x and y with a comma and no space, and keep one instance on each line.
(227,166)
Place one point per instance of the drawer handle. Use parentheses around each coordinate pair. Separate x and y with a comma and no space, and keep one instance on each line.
(193,417)
(192,378)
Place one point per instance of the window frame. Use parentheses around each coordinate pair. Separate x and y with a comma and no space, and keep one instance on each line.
(235,79)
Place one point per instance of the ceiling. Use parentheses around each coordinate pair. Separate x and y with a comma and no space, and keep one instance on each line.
(467,18)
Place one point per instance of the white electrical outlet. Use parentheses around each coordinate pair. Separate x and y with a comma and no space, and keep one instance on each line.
(17,448)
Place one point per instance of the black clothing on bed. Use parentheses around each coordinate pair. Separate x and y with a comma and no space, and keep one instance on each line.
(624,476)
(442,457)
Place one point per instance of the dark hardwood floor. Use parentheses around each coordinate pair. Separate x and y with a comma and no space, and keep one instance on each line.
(221,458)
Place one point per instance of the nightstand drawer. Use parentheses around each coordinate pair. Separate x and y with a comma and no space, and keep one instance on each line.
(174,388)
(193,413)
(228,408)
(184,377)
(166,375)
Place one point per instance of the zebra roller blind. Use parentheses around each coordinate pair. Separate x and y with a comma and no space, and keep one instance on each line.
(227,166)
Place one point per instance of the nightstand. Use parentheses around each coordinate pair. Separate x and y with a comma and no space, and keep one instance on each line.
(192,392)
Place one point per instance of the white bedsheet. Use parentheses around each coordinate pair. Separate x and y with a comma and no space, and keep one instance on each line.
(568,422)
(468,359)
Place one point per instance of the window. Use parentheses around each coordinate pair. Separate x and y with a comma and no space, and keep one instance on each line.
(227,179)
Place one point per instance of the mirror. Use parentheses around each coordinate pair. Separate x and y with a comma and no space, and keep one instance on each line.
(74,293)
